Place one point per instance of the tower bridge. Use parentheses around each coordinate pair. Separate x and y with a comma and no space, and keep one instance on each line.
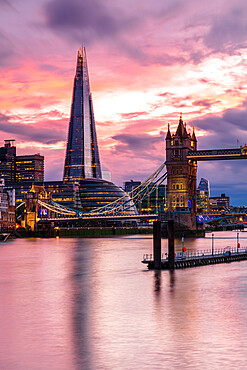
(181,162)
(181,175)
(82,162)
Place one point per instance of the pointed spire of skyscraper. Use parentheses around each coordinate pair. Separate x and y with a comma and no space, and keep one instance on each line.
(82,156)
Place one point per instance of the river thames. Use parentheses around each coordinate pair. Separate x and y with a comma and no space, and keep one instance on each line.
(90,304)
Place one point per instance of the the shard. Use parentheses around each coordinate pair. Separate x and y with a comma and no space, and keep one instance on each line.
(82,155)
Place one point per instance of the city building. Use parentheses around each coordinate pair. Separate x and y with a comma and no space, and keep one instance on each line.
(181,180)
(82,155)
(7,161)
(22,168)
(204,185)
(155,202)
(87,194)
(202,196)
(29,168)
(221,203)
(7,208)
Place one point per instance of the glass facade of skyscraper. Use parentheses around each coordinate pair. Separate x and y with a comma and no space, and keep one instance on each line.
(82,155)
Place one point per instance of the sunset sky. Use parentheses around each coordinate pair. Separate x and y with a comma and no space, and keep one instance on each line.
(148,61)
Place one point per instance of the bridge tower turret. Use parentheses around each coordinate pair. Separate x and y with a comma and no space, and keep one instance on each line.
(181,179)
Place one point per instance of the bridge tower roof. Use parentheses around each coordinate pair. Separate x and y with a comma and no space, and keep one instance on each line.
(181,129)
(168,135)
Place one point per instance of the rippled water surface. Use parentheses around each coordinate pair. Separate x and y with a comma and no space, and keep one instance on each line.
(90,304)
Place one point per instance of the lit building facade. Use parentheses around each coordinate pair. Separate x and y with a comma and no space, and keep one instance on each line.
(202,196)
(181,179)
(29,168)
(7,161)
(204,185)
(22,168)
(87,194)
(155,202)
(82,155)
(221,203)
(7,208)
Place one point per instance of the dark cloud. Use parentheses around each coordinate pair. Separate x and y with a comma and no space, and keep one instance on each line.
(5,2)
(165,95)
(132,115)
(40,132)
(33,105)
(49,67)
(225,131)
(142,145)
(84,20)
(222,132)
(114,25)
(7,51)
(236,117)
(207,103)
(228,32)
(173,100)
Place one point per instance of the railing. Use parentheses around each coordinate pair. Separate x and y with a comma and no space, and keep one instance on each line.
(191,254)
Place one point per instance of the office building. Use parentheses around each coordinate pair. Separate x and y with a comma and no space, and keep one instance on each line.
(204,185)
(23,168)
(7,161)
(87,194)
(221,203)
(82,155)
(202,196)
(7,208)
(155,202)
(29,168)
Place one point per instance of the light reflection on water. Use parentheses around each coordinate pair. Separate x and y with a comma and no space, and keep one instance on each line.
(90,304)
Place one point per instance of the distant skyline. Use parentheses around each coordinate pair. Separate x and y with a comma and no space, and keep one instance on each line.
(148,61)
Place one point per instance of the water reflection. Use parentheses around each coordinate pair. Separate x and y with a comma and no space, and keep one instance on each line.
(89,304)
(80,305)
(172,280)
(157,280)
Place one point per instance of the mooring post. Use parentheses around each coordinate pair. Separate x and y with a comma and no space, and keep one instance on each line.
(157,244)
(212,244)
(171,244)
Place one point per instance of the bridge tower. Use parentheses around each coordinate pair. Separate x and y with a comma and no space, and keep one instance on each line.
(181,179)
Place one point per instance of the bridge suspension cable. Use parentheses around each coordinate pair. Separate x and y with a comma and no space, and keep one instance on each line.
(56,209)
(123,204)
(138,194)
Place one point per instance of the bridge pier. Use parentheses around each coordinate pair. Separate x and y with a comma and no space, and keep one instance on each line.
(157,244)
(171,251)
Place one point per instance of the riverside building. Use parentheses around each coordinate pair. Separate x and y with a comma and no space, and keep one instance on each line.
(23,168)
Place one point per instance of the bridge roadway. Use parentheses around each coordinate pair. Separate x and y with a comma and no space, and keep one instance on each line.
(209,217)
(201,218)
(217,154)
(102,217)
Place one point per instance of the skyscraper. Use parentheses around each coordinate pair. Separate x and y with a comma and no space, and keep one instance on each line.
(82,155)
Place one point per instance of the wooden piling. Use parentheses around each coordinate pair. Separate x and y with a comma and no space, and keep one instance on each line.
(171,256)
(157,244)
